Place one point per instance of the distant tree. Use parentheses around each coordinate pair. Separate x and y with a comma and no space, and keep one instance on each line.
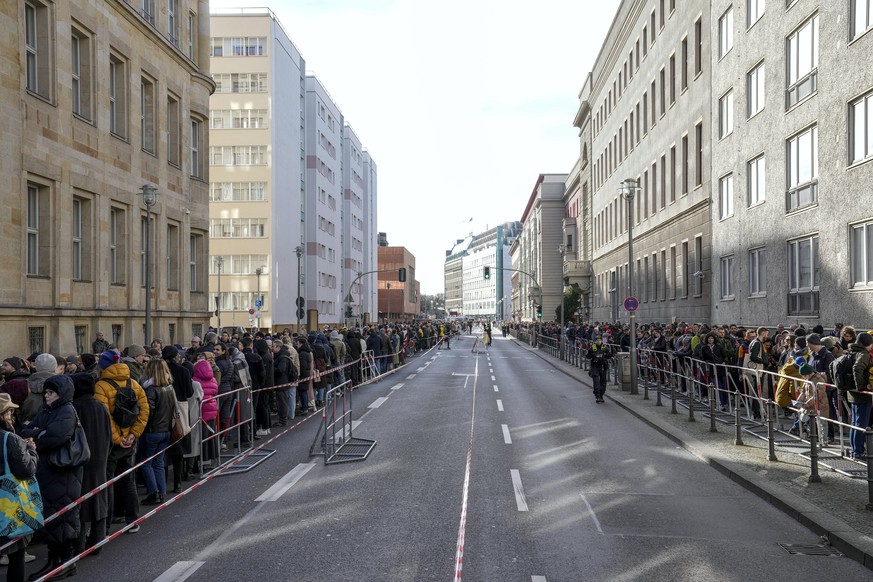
(572,302)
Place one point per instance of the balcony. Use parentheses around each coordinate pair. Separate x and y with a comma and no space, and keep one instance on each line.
(578,273)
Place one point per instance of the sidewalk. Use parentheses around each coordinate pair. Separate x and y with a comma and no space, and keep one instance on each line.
(834,508)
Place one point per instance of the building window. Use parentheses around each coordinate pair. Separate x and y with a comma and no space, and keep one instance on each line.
(685,164)
(147,10)
(686,269)
(726,32)
(754,11)
(36,339)
(174,129)
(663,80)
(173,21)
(117,96)
(727,277)
(38,228)
(755,90)
(194,245)
(79,252)
(239,119)
(192,36)
(684,63)
(147,115)
(196,141)
(861,128)
(82,71)
(674,268)
(672,79)
(238,191)
(237,227)
(38,45)
(726,197)
(860,17)
(117,242)
(238,46)
(698,47)
(802,169)
(802,52)
(803,276)
(80,332)
(698,272)
(173,262)
(116,334)
(240,82)
(673,174)
(757,273)
(726,115)
(861,254)
(698,161)
(757,181)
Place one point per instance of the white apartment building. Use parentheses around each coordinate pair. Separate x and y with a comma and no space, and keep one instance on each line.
(257,161)
(288,176)
(370,288)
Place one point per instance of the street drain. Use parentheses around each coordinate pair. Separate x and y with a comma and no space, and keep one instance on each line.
(811,550)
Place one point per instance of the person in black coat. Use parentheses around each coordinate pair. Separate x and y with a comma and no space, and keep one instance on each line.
(98,431)
(52,428)
(263,421)
(353,347)
(306,369)
(21,457)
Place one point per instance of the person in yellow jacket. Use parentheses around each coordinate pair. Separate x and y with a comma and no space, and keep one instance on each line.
(114,375)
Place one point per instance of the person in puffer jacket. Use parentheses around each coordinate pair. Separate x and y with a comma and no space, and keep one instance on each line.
(157,381)
(203,373)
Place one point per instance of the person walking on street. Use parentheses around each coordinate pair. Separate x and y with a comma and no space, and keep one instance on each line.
(599,355)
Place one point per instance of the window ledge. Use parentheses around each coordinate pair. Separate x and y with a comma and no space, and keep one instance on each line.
(732,298)
(801,102)
(84,119)
(756,204)
(859,163)
(802,209)
(758,296)
(860,36)
(41,97)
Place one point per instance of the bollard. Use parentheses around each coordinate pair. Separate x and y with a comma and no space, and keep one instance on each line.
(738,439)
(673,399)
(712,409)
(814,477)
(658,398)
(691,408)
(868,439)
(645,387)
(771,431)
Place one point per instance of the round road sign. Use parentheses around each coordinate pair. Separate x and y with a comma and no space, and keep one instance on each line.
(631,304)
(251,310)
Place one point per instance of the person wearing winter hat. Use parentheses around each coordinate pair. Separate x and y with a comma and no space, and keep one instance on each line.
(15,380)
(136,360)
(71,364)
(46,366)
(859,398)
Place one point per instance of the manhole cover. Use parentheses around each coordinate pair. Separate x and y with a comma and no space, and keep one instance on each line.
(811,550)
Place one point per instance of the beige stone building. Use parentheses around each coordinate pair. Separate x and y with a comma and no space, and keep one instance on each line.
(102,98)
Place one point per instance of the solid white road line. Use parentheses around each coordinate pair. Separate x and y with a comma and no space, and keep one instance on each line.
(179,571)
(397,387)
(520,501)
(591,511)
(506,438)
(378,402)
(499,405)
(285,483)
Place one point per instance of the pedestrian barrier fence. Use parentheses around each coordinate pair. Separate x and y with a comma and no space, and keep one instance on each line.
(334,439)
(814,425)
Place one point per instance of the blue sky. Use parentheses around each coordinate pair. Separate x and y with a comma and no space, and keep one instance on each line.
(462,103)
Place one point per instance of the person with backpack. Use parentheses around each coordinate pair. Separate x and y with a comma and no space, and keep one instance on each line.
(128,409)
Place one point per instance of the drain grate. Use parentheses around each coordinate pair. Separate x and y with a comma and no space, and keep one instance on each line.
(811,550)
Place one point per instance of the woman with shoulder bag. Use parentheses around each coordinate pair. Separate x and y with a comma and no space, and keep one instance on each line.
(158,385)
(53,428)
(21,458)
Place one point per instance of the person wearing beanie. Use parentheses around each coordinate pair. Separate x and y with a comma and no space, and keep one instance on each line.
(71,364)
(15,381)
(114,377)
(859,398)
(98,431)
(46,366)
(136,360)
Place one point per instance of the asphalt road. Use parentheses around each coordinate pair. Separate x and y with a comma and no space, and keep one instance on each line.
(487,467)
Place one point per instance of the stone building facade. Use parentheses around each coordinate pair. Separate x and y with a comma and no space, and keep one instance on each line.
(102,98)
(649,102)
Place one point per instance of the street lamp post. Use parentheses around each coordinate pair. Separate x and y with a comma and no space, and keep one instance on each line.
(150,196)
(628,189)
(561,249)
(299,252)
(260,300)
(219,262)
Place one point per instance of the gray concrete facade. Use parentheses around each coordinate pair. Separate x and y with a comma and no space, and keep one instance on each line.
(649,102)
(824,209)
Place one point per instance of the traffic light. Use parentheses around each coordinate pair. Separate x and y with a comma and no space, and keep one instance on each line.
(487,272)
(539,310)
(401,275)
